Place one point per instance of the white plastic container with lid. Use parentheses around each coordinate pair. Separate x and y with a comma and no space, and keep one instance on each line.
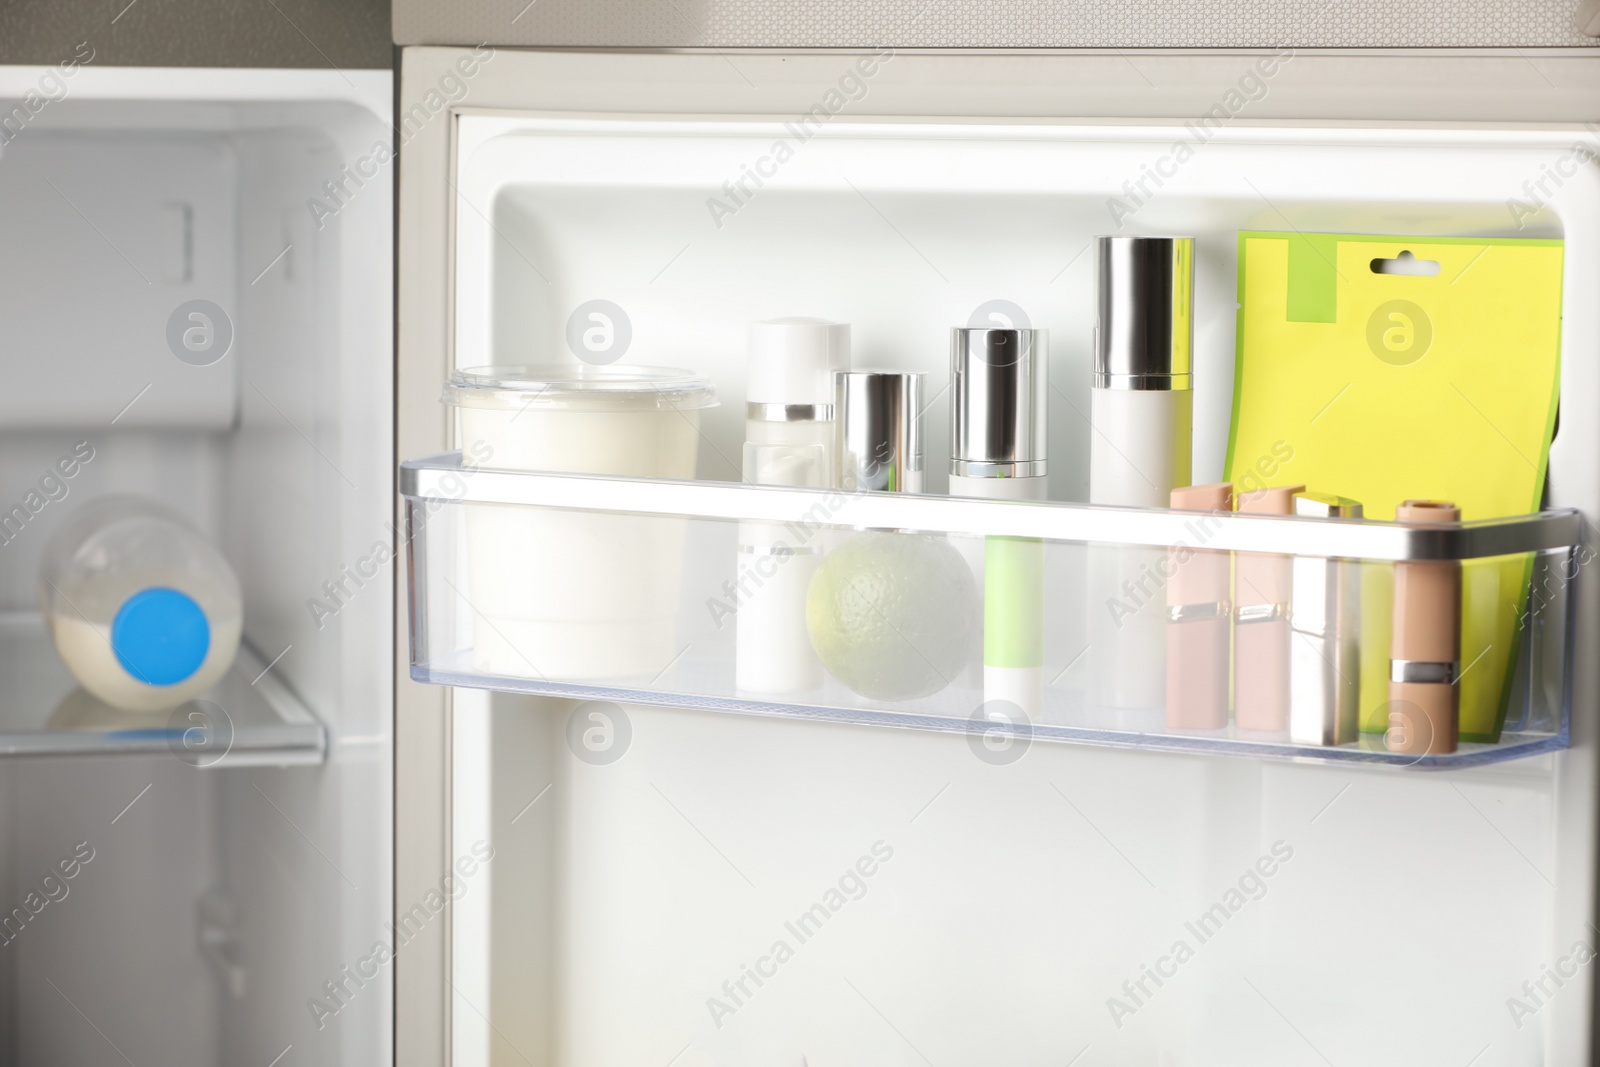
(567,594)
(143,610)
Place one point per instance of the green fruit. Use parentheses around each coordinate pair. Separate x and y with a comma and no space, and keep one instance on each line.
(893,616)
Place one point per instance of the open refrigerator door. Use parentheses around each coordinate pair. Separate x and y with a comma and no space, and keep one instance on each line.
(792,883)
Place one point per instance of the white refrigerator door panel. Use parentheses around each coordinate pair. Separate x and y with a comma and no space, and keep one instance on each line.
(894,894)
(1122,907)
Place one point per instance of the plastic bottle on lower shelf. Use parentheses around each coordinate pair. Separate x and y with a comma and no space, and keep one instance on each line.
(143,610)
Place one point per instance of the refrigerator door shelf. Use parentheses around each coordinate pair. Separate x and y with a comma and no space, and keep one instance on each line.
(622,590)
(249,719)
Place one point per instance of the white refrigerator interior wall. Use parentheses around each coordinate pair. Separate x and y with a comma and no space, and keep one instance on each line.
(139,191)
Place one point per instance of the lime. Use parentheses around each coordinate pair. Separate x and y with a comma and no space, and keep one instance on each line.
(893,616)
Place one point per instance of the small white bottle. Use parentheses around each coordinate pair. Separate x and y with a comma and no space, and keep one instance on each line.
(1141,414)
(143,610)
(789,440)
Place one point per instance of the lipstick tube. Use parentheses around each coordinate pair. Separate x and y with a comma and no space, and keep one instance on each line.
(1199,613)
(1263,591)
(1141,422)
(1425,646)
(1324,648)
(999,385)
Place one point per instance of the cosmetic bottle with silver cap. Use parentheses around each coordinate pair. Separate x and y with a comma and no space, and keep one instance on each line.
(1141,403)
(880,432)
(1000,392)
(1141,416)
(999,388)
(789,440)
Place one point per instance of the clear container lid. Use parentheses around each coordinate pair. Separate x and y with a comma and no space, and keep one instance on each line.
(579,387)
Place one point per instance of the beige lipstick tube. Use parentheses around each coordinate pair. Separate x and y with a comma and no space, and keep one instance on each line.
(1199,610)
(1425,648)
(1263,590)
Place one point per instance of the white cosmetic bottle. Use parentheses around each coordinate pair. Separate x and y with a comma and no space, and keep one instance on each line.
(999,389)
(1141,418)
(789,440)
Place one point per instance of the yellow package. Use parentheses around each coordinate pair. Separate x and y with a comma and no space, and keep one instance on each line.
(1394,368)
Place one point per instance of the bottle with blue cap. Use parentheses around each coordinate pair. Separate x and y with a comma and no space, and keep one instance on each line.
(143,610)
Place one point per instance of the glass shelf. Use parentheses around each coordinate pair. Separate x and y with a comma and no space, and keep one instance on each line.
(247,719)
(697,595)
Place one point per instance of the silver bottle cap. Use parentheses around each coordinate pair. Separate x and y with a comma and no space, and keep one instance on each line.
(999,380)
(880,432)
(1326,506)
(1144,335)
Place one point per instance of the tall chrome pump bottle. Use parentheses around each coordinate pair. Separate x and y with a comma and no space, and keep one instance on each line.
(1142,418)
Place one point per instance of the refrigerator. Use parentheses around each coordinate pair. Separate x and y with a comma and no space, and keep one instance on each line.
(422,823)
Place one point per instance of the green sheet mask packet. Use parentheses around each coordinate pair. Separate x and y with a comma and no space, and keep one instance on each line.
(1389,368)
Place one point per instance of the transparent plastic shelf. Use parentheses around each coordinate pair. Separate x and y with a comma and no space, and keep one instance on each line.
(247,719)
(871,608)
